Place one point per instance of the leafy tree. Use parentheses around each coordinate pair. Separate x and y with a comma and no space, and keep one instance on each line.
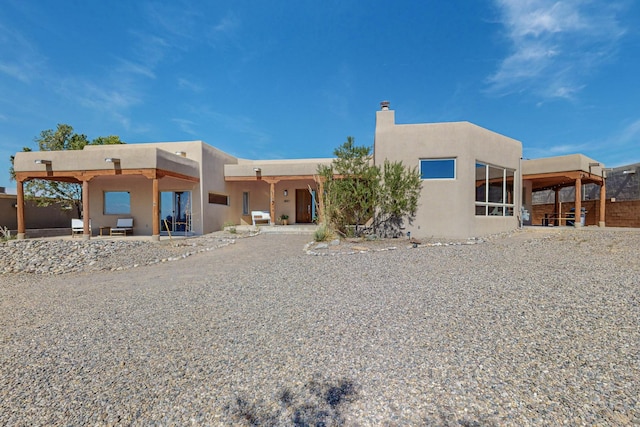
(397,198)
(350,184)
(357,191)
(67,194)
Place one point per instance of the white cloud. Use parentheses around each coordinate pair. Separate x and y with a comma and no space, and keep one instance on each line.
(227,24)
(631,133)
(236,123)
(185,83)
(20,59)
(554,45)
(185,125)
(129,67)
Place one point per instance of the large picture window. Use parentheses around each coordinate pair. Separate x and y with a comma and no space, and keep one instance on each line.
(117,202)
(438,168)
(494,190)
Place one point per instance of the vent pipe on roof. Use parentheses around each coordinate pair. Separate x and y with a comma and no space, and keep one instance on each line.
(384,105)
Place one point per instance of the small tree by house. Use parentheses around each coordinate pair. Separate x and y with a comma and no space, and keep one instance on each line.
(397,198)
(357,192)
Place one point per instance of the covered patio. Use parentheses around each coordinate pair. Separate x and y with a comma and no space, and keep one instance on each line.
(555,173)
(289,182)
(121,167)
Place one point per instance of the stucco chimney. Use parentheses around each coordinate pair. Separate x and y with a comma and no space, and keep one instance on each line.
(385,117)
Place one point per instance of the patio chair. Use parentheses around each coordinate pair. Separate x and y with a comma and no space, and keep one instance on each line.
(123,226)
(77,227)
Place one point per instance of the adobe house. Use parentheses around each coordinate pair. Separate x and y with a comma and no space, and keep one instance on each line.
(473,181)
(188,187)
(471,175)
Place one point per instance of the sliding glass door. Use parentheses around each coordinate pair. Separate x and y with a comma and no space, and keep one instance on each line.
(175,211)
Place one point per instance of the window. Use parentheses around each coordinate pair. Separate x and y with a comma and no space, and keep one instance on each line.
(117,202)
(438,168)
(494,190)
(219,199)
(245,203)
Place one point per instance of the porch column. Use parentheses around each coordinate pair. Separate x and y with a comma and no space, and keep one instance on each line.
(320,201)
(156,211)
(603,203)
(86,232)
(556,207)
(272,204)
(578,204)
(20,209)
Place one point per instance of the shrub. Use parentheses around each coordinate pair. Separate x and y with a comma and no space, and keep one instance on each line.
(229,226)
(322,233)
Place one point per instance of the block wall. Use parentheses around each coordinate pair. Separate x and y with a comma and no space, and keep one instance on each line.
(618,214)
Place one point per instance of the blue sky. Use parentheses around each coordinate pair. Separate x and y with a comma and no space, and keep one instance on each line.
(293,79)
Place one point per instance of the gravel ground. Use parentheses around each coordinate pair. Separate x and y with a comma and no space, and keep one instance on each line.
(534,328)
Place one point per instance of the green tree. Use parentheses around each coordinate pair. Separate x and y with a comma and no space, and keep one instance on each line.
(397,198)
(350,184)
(357,191)
(66,194)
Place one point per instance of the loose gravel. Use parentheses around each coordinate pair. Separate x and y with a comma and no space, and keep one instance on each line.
(533,328)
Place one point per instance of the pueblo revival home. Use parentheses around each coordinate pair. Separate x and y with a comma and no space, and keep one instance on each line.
(474,181)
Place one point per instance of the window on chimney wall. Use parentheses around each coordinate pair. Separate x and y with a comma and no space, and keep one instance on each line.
(219,199)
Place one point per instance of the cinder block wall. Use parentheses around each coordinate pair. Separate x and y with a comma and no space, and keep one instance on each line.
(35,217)
(623,214)
(618,214)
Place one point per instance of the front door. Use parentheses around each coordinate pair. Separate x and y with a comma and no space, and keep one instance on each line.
(303,206)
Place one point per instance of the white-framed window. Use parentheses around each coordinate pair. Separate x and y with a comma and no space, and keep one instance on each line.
(438,168)
(117,202)
(245,203)
(494,190)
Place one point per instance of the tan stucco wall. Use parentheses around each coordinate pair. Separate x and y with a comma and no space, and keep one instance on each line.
(34,215)
(288,167)
(259,198)
(568,163)
(92,158)
(206,217)
(447,207)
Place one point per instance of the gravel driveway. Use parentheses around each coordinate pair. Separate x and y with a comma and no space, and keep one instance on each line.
(527,329)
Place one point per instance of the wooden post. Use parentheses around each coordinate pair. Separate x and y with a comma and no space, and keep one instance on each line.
(86,215)
(556,207)
(272,205)
(603,203)
(156,211)
(20,209)
(578,204)
(320,201)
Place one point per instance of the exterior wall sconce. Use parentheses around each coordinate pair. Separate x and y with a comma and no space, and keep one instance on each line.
(181,153)
(112,160)
(42,162)
(286,193)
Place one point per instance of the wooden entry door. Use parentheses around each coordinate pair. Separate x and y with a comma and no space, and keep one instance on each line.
(303,206)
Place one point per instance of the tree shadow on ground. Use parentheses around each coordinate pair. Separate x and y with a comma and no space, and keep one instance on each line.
(318,403)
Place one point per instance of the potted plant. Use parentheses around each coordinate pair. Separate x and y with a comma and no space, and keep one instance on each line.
(284,219)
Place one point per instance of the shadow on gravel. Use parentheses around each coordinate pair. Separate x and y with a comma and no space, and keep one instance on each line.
(319,403)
